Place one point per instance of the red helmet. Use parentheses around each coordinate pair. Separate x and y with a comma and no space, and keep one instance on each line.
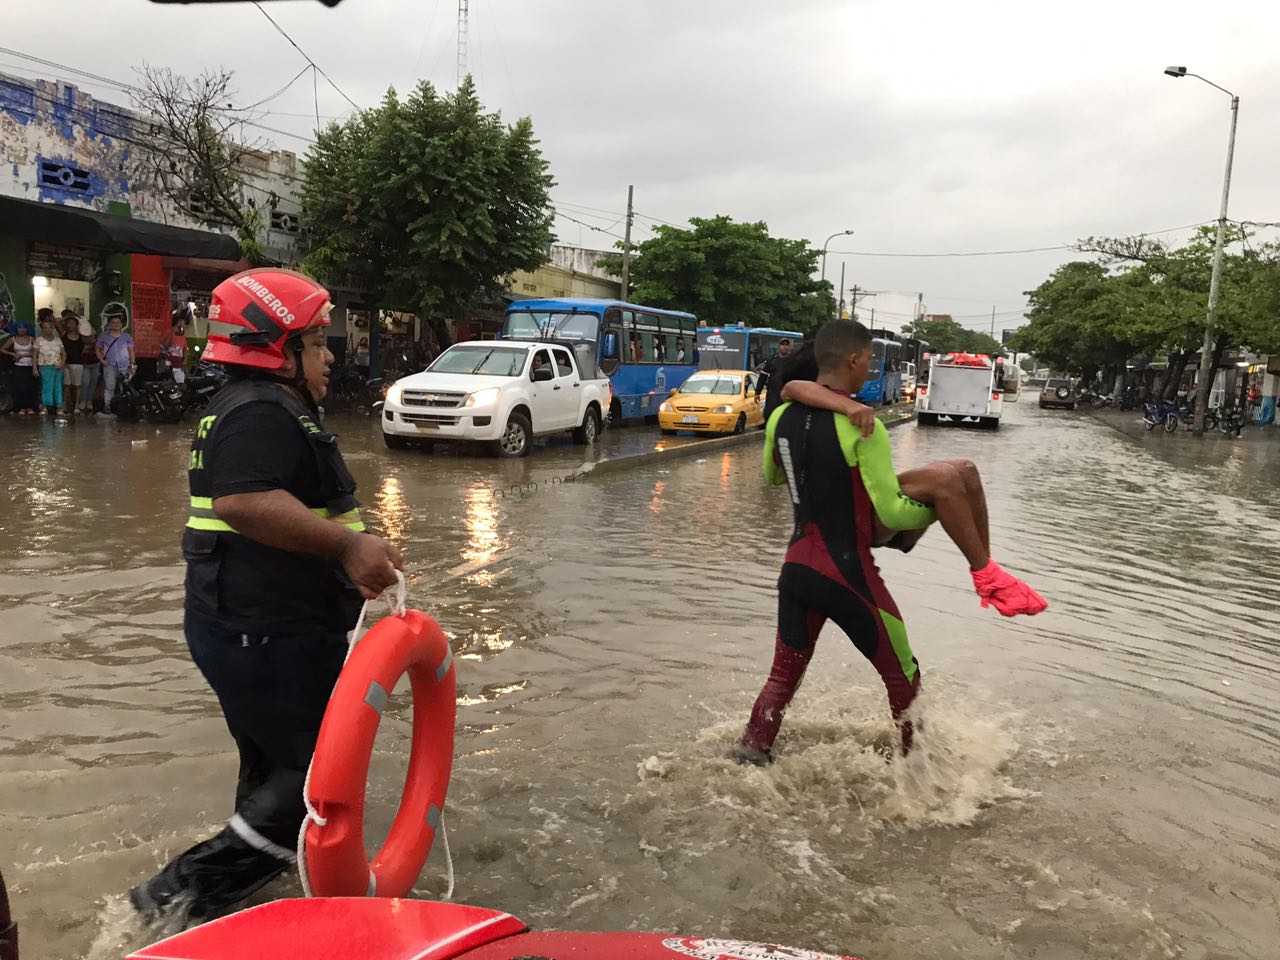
(253,313)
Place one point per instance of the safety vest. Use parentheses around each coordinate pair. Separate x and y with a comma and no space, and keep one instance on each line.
(337,485)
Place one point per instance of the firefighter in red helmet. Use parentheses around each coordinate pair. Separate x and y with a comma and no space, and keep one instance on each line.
(278,561)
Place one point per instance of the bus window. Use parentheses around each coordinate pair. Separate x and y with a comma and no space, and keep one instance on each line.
(648,350)
(683,353)
(877,358)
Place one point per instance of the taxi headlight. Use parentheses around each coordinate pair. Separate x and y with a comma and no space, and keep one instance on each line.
(482,398)
(724,408)
(666,407)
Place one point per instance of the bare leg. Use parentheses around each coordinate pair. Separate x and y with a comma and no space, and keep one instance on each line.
(977,497)
(958,501)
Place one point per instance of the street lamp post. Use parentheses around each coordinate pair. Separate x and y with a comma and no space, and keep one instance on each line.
(825,244)
(1205,383)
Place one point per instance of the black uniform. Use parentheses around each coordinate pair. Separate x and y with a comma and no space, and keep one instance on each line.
(267,628)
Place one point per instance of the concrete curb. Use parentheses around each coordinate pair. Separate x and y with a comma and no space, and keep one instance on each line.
(694,448)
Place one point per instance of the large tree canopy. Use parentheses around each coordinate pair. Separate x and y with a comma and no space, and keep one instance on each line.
(944,335)
(427,202)
(726,272)
(1143,296)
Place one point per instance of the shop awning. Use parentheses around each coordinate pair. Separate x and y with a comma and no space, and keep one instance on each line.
(76,226)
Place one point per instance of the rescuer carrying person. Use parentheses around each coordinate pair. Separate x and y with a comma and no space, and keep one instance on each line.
(277,563)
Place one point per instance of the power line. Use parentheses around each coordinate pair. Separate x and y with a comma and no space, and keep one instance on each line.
(282,90)
(1001,253)
(583,223)
(304,54)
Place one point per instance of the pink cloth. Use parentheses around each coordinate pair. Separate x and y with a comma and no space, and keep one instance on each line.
(1010,596)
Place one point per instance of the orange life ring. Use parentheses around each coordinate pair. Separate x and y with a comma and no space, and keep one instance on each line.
(335,849)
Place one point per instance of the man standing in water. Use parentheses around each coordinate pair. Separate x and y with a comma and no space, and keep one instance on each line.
(771,367)
(277,563)
(846,498)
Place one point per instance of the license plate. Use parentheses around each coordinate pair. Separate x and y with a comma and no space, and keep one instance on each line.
(689,418)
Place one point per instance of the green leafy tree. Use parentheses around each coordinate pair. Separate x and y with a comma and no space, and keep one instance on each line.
(725,272)
(427,203)
(945,335)
(1144,296)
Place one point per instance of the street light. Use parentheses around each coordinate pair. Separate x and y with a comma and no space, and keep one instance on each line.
(838,233)
(1205,383)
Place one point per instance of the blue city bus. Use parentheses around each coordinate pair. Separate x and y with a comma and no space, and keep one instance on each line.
(645,352)
(739,347)
(884,376)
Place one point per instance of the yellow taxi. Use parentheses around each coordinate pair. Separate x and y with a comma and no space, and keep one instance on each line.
(713,401)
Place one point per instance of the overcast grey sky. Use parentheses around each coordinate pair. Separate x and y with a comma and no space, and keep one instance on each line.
(924,126)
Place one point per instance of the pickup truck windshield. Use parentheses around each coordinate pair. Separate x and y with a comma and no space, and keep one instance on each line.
(486,359)
(721,386)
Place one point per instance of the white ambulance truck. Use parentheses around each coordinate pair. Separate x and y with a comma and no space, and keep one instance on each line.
(961,388)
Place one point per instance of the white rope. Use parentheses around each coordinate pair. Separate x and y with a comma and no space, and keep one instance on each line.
(448,859)
(397,608)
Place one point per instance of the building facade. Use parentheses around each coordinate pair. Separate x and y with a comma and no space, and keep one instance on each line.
(85,225)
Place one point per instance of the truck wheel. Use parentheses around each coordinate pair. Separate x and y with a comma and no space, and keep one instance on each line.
(516,438)
(590,429)
(393,442)
(927,419)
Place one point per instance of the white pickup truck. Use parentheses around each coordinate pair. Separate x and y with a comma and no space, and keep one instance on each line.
(962,388)
(500,392)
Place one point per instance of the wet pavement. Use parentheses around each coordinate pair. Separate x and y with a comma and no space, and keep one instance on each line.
(1096,782)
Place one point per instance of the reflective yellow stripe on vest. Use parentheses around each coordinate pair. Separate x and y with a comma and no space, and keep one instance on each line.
(203,518)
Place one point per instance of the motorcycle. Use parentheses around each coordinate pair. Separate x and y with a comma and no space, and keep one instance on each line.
(206,380)
(159,401)
(1164,413)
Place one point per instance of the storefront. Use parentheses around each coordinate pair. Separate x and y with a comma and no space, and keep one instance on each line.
(62,257)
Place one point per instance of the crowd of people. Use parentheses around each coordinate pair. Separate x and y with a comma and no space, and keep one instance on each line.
(65,368)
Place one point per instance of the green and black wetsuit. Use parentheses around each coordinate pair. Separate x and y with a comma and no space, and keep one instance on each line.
(836,481)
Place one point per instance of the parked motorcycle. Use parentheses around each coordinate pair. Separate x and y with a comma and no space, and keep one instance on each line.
(1164,413)
(159,401)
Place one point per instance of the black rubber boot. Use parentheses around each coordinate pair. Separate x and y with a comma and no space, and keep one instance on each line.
(206,880)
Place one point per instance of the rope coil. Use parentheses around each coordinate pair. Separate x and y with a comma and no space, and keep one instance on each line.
(396,607)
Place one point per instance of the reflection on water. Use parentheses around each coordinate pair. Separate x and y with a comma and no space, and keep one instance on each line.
(1100,782)
(483,540)
(391,509)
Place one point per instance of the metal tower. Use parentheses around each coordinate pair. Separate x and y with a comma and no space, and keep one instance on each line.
(464,13)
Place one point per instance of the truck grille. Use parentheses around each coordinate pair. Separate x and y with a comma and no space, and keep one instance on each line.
(429,420)
(425,398)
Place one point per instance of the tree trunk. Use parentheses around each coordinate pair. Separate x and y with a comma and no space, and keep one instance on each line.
(1172,374)
(440,327)
(375,338)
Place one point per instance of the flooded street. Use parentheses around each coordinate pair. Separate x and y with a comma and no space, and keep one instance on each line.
(1096,782)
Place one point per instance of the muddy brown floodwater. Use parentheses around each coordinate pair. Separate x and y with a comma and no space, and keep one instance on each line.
(1097,782)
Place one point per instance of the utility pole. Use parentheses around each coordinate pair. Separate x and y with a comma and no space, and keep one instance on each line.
(993,321)
(853,303)
(626,242)
(840,306)
(1204,383)
(464,14)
